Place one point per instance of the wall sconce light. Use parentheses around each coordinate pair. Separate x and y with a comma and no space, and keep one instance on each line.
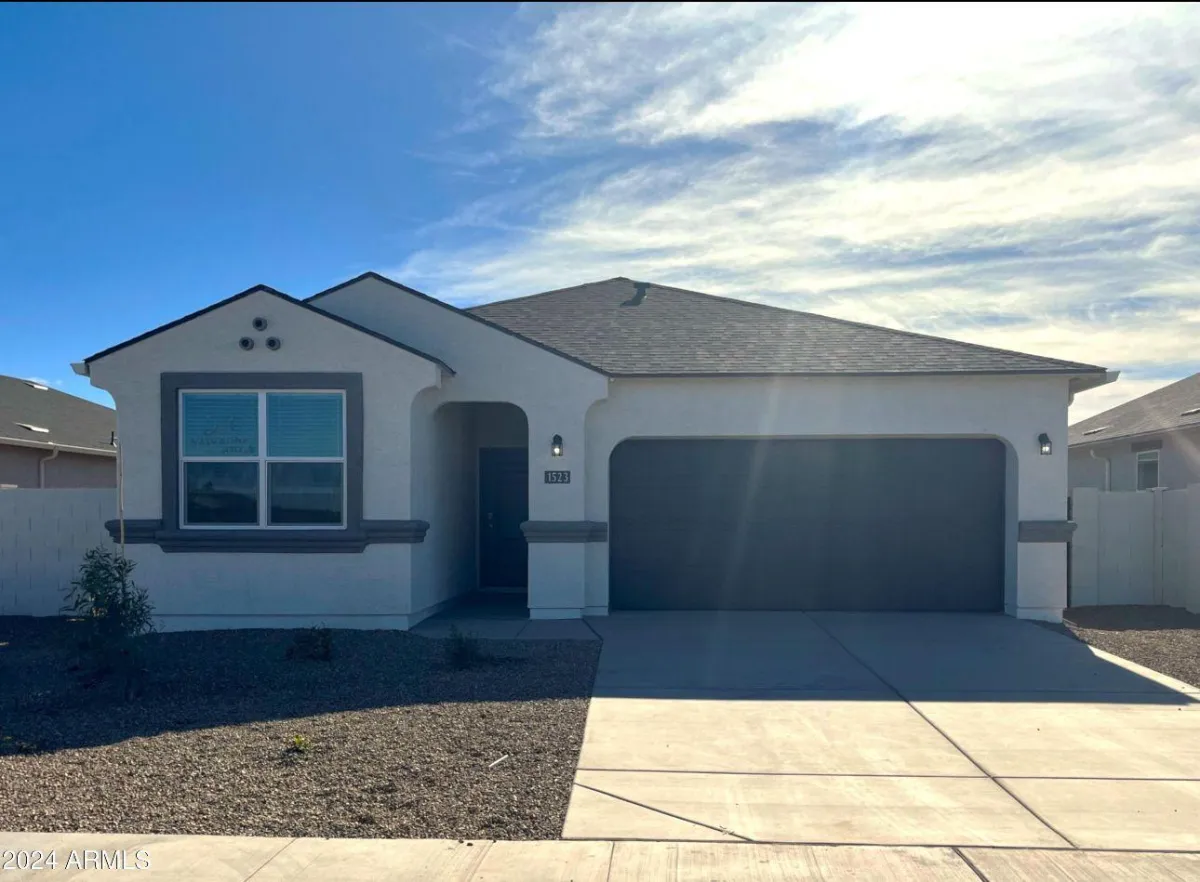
(556,445)
(1044,444)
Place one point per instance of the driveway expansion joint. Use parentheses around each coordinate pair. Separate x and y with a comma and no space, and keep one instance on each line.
(939,730)
(714,827)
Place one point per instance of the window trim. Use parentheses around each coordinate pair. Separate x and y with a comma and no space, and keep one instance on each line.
(1147,456)
(263,460)
(255,538)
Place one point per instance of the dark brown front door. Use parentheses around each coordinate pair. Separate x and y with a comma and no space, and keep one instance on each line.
(503,507)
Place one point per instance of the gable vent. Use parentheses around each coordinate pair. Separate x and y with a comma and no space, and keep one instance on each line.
(34,428)
(1096,431)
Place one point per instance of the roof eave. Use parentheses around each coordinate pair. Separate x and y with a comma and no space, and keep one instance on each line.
(1091,378)
(1083,382)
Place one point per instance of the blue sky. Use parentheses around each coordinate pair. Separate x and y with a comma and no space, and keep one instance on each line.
(1026,177)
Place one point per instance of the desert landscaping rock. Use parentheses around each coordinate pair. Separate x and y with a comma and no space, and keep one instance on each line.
(400,743)
(1164,638)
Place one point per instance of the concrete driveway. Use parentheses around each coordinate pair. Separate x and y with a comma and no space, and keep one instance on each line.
(881,729)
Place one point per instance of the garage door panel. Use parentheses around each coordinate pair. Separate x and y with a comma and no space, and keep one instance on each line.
(807,524)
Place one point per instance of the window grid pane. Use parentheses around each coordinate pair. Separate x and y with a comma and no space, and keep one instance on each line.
(304,425)
(305,493)
(220,425)
(221,493)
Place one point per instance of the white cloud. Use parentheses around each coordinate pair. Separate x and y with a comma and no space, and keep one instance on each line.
(1025,176)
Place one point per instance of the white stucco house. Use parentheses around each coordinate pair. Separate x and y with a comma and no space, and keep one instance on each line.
(366,456)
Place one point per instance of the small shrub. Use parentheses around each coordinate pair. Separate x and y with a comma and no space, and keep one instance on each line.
(114,610)
(463,650)
(298,745)
(312,644)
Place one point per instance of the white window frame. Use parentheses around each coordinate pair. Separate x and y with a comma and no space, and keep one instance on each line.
(1147,456)
(263,460)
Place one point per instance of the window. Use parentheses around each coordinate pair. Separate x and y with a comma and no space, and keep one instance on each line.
(1147,470)
(262,459)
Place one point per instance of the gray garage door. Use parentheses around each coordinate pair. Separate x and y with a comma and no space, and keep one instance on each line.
(851,524)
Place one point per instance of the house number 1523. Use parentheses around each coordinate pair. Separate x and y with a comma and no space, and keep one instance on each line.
(558,477)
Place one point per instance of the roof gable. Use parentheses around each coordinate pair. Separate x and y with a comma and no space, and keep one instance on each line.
(675,332)
(464,313)
(28,408)
(264,289)
(1176,406)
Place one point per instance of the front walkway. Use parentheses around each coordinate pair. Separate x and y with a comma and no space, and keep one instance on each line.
(240,859)
(881,729)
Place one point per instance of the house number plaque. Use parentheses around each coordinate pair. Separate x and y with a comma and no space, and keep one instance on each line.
(558,477)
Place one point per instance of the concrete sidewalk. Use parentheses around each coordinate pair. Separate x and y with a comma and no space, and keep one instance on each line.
(242,858)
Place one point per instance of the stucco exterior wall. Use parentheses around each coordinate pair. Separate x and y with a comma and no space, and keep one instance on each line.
(19,466)
(1015,409)
(369,589)
(1178,462)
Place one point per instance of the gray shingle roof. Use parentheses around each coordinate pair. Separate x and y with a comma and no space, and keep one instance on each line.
(72,421)
(1159,411)
(674,332)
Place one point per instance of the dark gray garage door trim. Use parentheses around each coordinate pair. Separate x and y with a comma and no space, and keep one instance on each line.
(1045,531)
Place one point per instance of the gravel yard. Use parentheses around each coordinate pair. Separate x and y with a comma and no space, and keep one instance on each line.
(399,743)
(1166,639)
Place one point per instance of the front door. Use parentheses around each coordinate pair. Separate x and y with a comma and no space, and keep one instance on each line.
(503,507)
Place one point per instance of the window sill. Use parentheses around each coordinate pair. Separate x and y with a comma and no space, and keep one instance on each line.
(353,541)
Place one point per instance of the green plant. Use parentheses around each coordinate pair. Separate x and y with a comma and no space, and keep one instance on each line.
(298,745)
(114,610)
(463,650)
(312,644)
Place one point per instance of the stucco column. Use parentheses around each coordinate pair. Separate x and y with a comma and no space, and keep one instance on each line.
(1041,553)
(557,532)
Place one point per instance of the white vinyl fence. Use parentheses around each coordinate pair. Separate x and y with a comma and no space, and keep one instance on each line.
(1141,547)
(43,535)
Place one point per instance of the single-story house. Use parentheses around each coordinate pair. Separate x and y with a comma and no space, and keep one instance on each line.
(366,456)
(1147,443)
(50,439)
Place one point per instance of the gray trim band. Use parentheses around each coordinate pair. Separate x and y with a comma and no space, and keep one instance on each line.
(1143,446)
(373,532)
(1045,531)
(565,531)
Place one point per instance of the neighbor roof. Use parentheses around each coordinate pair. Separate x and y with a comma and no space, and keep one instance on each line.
(264,289)
(28,407)
(1171,407)
(675,332)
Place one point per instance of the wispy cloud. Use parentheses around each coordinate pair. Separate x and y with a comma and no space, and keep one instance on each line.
(1025,176)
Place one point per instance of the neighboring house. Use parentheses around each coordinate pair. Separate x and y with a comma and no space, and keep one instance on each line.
(1149,442)
(364,457)
(51,439)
